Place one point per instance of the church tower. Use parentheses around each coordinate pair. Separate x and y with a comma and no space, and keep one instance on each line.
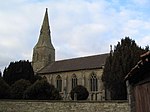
(43,52)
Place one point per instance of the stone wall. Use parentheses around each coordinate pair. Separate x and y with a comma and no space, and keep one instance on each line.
(62,106)
(83,78)
(131,98)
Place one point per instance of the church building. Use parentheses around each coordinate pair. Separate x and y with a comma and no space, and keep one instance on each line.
(66,74)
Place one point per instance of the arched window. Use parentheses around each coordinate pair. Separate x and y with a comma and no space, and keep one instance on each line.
(59,83)
(74,81)
(93,82)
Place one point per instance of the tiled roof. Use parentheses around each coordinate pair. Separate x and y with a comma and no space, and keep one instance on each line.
(82,63)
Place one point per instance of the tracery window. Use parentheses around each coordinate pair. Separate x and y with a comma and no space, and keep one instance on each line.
(93,82)
(74,81)
(59,83)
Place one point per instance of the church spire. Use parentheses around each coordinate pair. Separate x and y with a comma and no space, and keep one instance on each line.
(43,52)
(45,36)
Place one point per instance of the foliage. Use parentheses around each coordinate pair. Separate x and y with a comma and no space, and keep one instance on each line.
(4,89)
(80,92)
(125,56)
(18,70)
(0,74)
(42,90)
(36,77)
(18,88)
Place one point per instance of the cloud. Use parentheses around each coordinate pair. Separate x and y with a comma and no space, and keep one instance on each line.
(141,2)
(78,27)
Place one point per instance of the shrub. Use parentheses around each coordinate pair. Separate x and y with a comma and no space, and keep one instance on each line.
(4,89)
(80,92)
(18,88)
(42,90)
(35,78)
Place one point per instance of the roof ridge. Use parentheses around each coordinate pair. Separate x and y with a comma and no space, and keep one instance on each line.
(81,57)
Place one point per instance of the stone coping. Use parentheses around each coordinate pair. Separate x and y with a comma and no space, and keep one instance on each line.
(62,101)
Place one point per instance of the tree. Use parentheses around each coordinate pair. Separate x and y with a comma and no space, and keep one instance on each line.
(36,77)
(125,56)
(42,90)
(79,93)
(4,89)
(18,88)
(18,70)
(0,73)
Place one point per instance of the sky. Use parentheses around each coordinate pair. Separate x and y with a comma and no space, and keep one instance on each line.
(78,27)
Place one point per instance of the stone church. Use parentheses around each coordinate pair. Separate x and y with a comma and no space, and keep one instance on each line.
(66,74)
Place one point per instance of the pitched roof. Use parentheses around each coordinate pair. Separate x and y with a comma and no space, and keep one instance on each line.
(143,64)
(82,63)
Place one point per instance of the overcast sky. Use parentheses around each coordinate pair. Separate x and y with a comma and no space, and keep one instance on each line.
(78,27)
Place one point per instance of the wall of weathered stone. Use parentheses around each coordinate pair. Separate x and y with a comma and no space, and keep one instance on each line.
(63,106)
(131,98)
(83,77)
